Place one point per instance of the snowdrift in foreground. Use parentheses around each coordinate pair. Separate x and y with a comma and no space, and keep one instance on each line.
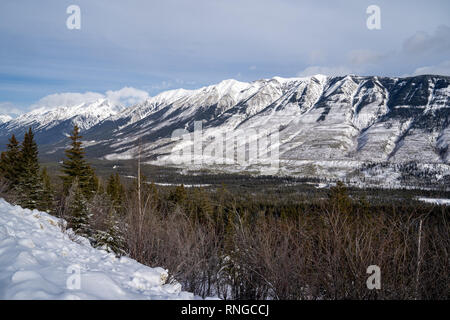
(36,261)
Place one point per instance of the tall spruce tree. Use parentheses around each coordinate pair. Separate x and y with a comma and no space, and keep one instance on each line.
(29,185)
(10,164)
(339,199)
(3,161)
(115,190)
(178,195)
(78,209)
(76,167)
(94,185)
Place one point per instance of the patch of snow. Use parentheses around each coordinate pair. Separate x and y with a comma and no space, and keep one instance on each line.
(5,118)
(184,185)
(39,261)
(85,115)
(437,201)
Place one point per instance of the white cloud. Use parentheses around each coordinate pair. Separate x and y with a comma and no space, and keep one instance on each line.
(124,97)
(442,69)
(164,85)
(67,99)
(364,57)
(329,71)
(422,42)
(10,109)
(316,56)
(127,96)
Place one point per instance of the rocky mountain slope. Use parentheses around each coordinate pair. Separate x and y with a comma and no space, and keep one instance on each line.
(331,126)
(53,124)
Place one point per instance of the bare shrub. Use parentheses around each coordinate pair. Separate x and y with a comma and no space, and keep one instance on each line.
(317,253)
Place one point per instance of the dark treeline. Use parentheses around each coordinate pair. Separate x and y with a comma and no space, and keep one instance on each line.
(245,244)
(22,176)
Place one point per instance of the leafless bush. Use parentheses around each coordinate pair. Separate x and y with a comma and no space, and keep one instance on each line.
(313,255)
(326,256)
(184,246)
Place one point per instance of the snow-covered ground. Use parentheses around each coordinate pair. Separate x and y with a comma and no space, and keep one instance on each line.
(39,261)
(184,185)
(435,201)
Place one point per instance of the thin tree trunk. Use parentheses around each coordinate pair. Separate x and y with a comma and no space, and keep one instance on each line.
(419,259)
(139,191)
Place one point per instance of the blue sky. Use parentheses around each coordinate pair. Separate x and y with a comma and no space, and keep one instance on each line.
(131,49)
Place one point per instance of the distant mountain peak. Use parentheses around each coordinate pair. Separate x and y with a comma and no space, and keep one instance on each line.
(323,122)
(5,118)
(54,122)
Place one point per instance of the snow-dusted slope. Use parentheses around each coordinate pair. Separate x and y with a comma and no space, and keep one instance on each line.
(38,261)
(318,118)
(51,124)
(85,115)
(5,118)
(327,126)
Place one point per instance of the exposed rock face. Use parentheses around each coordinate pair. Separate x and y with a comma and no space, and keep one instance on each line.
(342,121)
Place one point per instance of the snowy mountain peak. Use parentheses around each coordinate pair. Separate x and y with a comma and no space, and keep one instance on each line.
(318,77)
(169,96)
(5,118)
(85,115)
(230,85)
(322,121)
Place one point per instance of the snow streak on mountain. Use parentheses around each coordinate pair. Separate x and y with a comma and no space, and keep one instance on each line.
(328,126)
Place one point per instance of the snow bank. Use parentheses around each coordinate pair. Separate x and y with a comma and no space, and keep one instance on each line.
(435,201)
(38,261)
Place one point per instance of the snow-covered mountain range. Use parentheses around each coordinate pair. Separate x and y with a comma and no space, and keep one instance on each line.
(53,124)
(326,125)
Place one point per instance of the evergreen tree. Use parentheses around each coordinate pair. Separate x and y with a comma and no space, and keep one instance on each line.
(199,206)
(46,202)
(339,199)
(76,167)
(115,190)
(94,185)
(179,195)
(3,160)
(29,184)
(112,239)
(78,209)
(10,162)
